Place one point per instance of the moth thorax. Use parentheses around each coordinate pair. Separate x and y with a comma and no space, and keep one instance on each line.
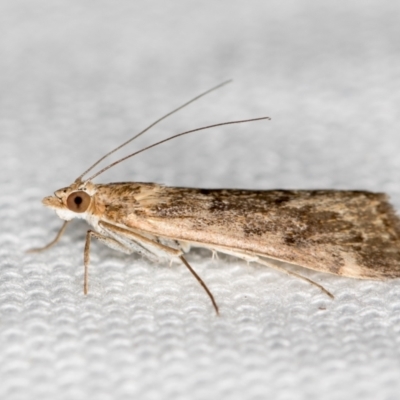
(78,202)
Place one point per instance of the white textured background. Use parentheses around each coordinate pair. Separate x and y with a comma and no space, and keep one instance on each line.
(78,77)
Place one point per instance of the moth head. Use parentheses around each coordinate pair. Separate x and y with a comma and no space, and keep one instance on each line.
(73,201)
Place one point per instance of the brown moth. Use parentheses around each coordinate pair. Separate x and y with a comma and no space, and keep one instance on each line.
(348,233)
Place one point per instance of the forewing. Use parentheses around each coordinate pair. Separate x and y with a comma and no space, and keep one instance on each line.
(350,233)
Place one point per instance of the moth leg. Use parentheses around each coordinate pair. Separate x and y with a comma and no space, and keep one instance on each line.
(53,242)
(277,267)
(210,295)
(271,264)
(86,255)
(156,248)
(151,246)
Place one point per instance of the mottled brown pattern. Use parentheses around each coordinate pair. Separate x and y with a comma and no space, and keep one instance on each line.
(350,233)
(353,233)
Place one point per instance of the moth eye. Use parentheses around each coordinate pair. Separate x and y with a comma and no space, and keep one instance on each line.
(78,201)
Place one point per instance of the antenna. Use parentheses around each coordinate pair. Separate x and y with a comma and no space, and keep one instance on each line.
(168,139)
(151,125)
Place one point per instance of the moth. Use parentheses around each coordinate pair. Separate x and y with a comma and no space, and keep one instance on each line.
(348,233)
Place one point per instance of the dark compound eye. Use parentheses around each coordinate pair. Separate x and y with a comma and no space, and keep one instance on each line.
(78,201)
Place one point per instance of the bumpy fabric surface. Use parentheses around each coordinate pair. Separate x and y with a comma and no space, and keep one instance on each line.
(77,78)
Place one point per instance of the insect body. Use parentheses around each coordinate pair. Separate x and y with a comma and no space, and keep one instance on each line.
(349,233)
